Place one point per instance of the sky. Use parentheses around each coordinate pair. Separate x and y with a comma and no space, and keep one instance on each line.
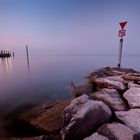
(76,27)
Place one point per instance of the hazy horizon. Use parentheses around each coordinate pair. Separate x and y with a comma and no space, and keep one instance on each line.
(81,27)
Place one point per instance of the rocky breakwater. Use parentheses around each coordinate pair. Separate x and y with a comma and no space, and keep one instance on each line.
(108,109)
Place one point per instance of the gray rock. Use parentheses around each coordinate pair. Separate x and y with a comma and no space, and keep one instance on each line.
(131,118)
(109,83)
(133,85)
(132,95)
(82,117)
(116,131)
(132,76)
(111,97)
(96,136)
(117,78)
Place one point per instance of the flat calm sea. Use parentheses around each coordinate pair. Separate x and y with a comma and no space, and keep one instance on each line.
(48,77)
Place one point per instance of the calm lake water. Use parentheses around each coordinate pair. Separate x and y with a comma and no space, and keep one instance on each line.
(48,77)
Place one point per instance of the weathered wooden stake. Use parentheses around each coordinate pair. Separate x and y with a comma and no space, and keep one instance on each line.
(28,63)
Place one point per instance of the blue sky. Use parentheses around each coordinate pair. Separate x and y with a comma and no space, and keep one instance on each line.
(69,26)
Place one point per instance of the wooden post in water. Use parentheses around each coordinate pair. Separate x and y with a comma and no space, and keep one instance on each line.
(28,63)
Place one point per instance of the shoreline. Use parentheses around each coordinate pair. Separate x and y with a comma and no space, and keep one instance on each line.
(101,85)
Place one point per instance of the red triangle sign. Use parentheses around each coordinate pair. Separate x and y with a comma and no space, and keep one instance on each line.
(122,24)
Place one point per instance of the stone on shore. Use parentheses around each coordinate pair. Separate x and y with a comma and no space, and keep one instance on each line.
(96,136)
(132,95)
(111,97)
(132,76)
(133,85)
(116,131)
(109,83)
(82,117)
(30,138)
(46,117)
(112,91)
(107,71)
(78,90)
(131,118)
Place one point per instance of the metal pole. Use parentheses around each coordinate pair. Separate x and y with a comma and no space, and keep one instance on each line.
(120,52)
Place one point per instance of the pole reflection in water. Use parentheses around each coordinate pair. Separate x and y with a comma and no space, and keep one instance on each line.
(7,64)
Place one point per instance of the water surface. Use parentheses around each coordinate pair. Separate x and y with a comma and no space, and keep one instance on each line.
(26,82)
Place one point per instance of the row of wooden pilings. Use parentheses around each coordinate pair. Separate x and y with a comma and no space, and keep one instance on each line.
(6,53)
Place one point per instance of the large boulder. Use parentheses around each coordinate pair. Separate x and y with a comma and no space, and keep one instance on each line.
(96,136)
(133,85)
(116,131)
(46,117)
(82,117)
(111,97)
(132,76)
(109,83)
(132,95)
(131,118)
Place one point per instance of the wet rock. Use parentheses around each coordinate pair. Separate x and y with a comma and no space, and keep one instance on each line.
(123,71)
(78,90)
(82,117)
(101,73)
(111,97)
(46,117)
(107,71)
(109,83)
(133,85)
(138,82)
(30,138)
(132,95)
(116,131)
(136,136)
(96,136)
(131,118)
(132,76)
(117,78)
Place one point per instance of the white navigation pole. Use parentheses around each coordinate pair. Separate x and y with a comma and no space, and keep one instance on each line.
(122,33)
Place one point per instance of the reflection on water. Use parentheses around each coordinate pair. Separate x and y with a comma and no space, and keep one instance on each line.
(7,64)
(28,63)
